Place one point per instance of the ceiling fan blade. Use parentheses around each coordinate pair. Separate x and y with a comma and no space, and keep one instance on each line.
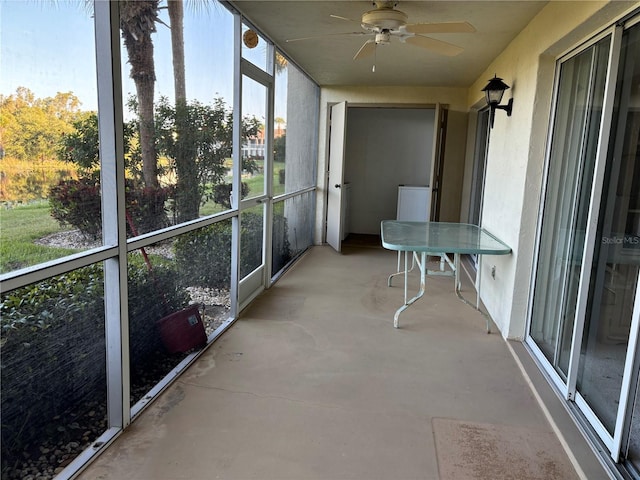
(367,49)
(451,27)
(344,18)
(437,46)
(354,34)
(360,22)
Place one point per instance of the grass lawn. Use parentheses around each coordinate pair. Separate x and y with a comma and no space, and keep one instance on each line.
(256,187)
(256,182)
(19,227)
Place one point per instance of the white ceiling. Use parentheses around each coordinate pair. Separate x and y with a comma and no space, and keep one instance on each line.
(329,60)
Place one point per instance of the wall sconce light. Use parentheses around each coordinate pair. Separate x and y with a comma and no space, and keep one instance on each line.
(493,95)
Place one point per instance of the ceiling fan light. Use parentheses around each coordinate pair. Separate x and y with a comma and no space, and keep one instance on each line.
(383,38)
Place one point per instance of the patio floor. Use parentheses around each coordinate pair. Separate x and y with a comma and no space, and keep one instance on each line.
(313,382)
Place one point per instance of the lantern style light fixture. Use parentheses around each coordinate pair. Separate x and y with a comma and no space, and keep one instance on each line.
(493,95)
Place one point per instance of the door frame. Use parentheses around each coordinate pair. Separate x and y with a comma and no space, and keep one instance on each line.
(255,282)
(329,185)
(437,160)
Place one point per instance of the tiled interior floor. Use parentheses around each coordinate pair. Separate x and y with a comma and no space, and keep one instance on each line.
(313,382)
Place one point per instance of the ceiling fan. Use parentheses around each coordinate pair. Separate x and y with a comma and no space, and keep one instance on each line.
(385,22)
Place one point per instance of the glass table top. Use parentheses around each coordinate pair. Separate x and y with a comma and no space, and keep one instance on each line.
(440,237)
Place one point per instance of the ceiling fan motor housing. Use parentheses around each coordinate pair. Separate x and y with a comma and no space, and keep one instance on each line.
(385,18)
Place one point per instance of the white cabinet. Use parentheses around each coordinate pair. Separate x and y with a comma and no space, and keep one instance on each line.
(413,203)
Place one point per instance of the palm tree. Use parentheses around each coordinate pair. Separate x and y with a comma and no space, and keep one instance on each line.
(176,18)
(187,194)
(137,22)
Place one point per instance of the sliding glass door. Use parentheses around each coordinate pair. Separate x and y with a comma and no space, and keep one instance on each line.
(616,259)
(584,314)
(479,164)
(568,194)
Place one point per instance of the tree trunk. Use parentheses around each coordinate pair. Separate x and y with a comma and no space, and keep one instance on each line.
(187,185)
(144,89)
(176,18)
(137,23)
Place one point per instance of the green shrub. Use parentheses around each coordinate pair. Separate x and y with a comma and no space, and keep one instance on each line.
(53,354)
(250,164)
(203,257)
(152,295)
(281,248)
(53,345)
(147,207)
(42,305)
(77,203)
(222,193)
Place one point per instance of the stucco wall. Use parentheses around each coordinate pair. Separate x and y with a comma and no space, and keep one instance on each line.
(515,161)
(455,98)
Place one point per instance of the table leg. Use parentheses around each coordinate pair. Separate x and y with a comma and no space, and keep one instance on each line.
(478,279)
(423,268)
(406,273)
(400,272)
(458,285)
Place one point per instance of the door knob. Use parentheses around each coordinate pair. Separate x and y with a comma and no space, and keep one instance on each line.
(337,185)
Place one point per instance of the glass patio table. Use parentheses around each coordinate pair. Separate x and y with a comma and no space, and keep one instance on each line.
(422,239)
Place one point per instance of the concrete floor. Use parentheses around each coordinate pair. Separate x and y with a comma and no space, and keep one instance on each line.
(313,382)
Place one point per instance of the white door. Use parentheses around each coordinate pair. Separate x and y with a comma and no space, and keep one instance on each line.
(336,174)
(257,102)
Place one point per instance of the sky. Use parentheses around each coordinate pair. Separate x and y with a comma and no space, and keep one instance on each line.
(48,47)
(37,44)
